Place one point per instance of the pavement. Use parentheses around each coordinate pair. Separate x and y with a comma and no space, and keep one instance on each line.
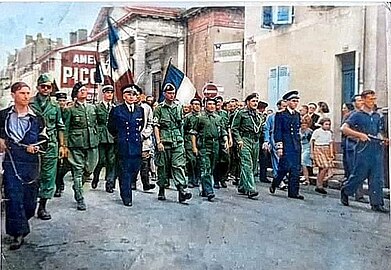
(232,232)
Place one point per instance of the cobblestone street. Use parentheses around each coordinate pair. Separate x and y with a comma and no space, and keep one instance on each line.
(231,233)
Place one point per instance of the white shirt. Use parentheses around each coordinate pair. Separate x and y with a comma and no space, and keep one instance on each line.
(130,107)
(322,137)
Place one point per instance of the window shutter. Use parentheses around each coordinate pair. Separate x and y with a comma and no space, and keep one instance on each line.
(283,80)
(282,14)
(273,87)
(267,16)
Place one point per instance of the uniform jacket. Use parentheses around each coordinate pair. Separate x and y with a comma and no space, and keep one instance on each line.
(81,126)
(102,116)
(189,121)
(247,123)
(287,131)
(169,120)
(51,113)
(126,128)
(209,127)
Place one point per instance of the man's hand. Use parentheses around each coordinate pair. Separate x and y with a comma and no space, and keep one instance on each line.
(363,137)
(280,152)
(160,147)
(240,144)
(3,146)
(63,152)
(32,149)
(195,151)
(386,141)
(266,146)
(226,145)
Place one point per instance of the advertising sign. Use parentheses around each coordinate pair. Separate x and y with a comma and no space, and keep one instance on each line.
(78,66)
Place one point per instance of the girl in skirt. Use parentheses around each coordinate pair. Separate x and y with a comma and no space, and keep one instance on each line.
(322,152)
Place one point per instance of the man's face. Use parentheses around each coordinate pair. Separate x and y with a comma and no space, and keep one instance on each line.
(282,106)
(369,101)
(303,110)
(219,104)
(22,96)
(358,102)
(45,89)
(82,94)
(186,108)
(196,106)
(293,103)
(311,108)
(253,103)
(130,97)
(149,100)
(233,104)
(108,96)
(141,97)
(62,102)
(210,106)
(169,95)
(241,104)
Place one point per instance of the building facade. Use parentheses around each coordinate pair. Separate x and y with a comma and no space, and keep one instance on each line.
(328,53)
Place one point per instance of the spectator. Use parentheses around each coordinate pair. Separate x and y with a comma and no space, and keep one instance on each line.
(322,152)
(314,117)
(305,137)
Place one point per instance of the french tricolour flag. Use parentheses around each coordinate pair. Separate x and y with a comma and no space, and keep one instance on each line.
(118,61)
(185,90)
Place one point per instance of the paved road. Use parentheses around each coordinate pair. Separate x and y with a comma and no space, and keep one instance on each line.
(231,233)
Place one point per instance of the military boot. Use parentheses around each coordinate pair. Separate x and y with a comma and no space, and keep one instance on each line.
(182,194)
(42,213)
(81,206)
(161,196)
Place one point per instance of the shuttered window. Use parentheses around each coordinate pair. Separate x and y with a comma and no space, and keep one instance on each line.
(278,84)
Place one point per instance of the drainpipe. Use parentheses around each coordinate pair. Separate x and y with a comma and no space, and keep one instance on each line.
(363,48)
(388,53)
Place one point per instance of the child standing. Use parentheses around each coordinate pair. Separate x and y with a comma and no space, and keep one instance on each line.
(305,137)
(322,151)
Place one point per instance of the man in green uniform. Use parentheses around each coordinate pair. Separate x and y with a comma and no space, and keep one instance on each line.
(106,141)
(220,173)
(82,138)
(192,161)
(234,149)
(246,130)
(168,126)
(209,130)
(50,111)
(63,165)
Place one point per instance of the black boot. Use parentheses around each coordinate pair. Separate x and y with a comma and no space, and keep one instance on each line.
(161,196)
(57,193)
(182,194)
(42,213)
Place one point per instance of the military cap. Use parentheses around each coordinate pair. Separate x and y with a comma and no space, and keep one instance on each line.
(76,89)
(194,100)
(131,88)
(219,98)
(262,104)
(291,95)
(45,78)
(234,99)
(107,88)
(169,87)
(251,96)
(210,99)
(61,95)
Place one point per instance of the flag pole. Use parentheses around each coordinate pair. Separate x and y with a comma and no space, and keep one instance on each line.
(95,86)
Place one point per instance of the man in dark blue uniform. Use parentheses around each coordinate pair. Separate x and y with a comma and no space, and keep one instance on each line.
(20,130)
(366,125)
(288,145)
(125,123)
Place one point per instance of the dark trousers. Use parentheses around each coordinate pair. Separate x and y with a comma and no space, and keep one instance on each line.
(264,157)
(63,167)
(107,160)
(21,199)
(363,168)
(128,170)
(290,164)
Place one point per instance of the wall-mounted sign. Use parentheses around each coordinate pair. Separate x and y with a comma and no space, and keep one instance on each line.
(78,66)
(228,52)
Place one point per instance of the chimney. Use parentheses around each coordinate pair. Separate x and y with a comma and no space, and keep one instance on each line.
(81,35)
(28,39)
(39,36)
(59,41)
(72,38)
